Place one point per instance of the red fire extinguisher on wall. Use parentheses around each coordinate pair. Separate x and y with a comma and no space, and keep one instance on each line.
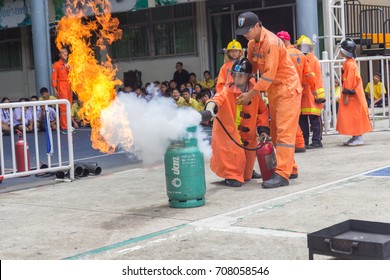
(266,158)
(19,151)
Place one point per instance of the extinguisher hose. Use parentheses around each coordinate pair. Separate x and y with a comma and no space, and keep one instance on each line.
(238,144)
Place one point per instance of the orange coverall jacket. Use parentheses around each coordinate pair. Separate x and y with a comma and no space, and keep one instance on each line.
(307,79)
(301,63)
(224,76)
(60,81)
(280,80)
(309,106)
(353,119)
(228,160)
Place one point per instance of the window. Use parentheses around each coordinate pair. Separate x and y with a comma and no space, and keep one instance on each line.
(132,43)
(156,32)
(10,49)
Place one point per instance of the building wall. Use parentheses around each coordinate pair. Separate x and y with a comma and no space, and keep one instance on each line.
(21,83)
(160,69)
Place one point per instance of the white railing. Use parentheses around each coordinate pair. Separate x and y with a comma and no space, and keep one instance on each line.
(58,165)
(331,70)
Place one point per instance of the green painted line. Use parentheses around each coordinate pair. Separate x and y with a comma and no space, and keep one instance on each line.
(124,243)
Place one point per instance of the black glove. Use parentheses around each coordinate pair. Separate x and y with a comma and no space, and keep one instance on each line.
(320,100)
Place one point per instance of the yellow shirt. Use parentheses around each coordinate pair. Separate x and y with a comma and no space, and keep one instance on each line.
(337,93)
(74,110)
(200,106)
(51,98)
(377,90)
(192,103)
(208,84)
(180,102)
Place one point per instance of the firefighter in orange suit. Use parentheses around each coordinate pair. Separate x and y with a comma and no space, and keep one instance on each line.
(233,52)
(312,101)
(243,122)
(280,80)
(306,76)
(62,87)
(353,118)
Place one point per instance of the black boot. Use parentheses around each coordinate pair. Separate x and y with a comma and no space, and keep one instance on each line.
(276,181)
(314,145)
(300,150)
(256,175)
(233,183)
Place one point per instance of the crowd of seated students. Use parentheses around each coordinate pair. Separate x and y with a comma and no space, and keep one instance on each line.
(24,118)
(189,92)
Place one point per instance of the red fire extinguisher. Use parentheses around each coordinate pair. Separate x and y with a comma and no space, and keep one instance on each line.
(266,158)
(19,151)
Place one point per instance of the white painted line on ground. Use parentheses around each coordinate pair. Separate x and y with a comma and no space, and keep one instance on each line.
(226,221)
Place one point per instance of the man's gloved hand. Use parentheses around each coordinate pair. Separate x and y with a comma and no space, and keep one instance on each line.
(319,97)
(320,100)
(210,106)
(346,99)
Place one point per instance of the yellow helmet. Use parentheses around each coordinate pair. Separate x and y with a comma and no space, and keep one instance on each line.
(234,45)
(304,44)
(304,40)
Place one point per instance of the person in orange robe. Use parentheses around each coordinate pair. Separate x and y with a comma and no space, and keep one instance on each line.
(243,122)
(280,80)
(353,117)
(233,52)
(61,86)
(306,76)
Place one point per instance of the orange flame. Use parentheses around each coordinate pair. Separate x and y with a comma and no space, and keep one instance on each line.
(94,82)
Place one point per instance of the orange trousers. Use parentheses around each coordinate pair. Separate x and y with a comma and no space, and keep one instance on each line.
(284,110)
(64,92)
(299,141)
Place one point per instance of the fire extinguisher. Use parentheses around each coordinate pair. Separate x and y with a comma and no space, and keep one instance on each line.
(265,152)
(266,158)
(19,150)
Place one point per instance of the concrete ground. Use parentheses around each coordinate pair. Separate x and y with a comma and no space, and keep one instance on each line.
(125,214)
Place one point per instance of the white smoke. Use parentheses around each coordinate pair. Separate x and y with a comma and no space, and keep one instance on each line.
(154,125)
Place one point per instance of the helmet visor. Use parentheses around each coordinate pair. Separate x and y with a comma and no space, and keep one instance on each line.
(347,53)
(240,78)
(305,48)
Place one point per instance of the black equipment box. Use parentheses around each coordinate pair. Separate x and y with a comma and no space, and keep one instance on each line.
(352,239)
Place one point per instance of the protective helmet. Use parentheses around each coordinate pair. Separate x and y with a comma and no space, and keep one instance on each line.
(304,44)
(348,48)
(284,35)
(234,45)
(242,65)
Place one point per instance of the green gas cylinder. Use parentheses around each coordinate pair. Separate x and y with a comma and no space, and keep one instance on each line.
(184,172)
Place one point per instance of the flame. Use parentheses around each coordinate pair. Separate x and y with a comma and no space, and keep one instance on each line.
(94,82)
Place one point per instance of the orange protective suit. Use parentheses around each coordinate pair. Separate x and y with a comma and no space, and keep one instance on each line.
(228,160)
(307,78)
(60,81)
(353,119)
(224,77)
(280,80)
(309,106)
